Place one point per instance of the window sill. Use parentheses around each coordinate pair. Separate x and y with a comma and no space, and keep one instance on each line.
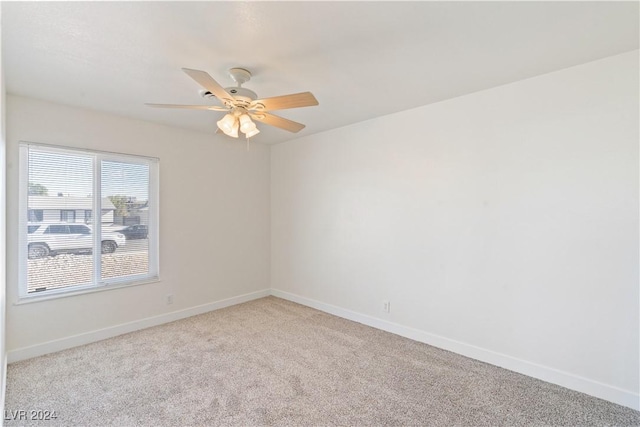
(63,293)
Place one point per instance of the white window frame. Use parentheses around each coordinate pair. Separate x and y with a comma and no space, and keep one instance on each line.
(97,284)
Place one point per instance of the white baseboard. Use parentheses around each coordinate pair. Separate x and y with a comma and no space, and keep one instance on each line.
(544,373)
(101,334)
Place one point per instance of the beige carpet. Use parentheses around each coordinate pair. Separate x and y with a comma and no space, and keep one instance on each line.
(273,362)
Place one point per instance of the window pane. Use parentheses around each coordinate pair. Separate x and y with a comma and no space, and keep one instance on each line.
(57,229)
(67,215)
(125,204)
(79,229)
(59,185)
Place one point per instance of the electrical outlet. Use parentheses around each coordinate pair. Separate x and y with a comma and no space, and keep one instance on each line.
(386,306)
(169,299)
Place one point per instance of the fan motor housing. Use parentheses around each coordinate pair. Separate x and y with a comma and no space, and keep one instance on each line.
(240,92)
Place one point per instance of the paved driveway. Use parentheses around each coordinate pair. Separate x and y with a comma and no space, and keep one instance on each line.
(135,245)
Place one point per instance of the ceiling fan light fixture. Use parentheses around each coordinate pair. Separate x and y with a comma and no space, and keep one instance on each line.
(246,124)
(252,132)
(234,131)
(227,123)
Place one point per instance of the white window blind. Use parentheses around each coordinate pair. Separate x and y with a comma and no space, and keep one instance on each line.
(64,245)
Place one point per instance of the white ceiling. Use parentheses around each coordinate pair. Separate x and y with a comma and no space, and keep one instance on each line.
(360,59)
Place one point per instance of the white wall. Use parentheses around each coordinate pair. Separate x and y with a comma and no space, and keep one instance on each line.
(214,223)
(502,224)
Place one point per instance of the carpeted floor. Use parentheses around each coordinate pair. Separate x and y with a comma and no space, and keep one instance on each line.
(273,362)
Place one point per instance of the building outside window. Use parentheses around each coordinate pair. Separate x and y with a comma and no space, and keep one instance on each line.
(36,215)
(67,216)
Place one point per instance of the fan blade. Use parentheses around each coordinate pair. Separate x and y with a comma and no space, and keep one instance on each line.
(296,100)
(189,107)
(277,121)
(207,82)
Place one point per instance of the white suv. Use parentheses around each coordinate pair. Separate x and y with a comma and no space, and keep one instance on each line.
(50,239)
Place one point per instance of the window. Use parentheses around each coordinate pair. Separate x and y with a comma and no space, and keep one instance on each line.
(35,215)
(60,255)
(79,229)
(67,216)
(57,229)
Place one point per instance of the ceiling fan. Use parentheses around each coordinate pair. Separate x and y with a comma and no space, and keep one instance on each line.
(242,105)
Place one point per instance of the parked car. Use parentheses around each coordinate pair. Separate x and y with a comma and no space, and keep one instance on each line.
(50,239)
(135,232)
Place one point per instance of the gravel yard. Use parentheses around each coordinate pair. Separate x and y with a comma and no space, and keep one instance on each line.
(70,269)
